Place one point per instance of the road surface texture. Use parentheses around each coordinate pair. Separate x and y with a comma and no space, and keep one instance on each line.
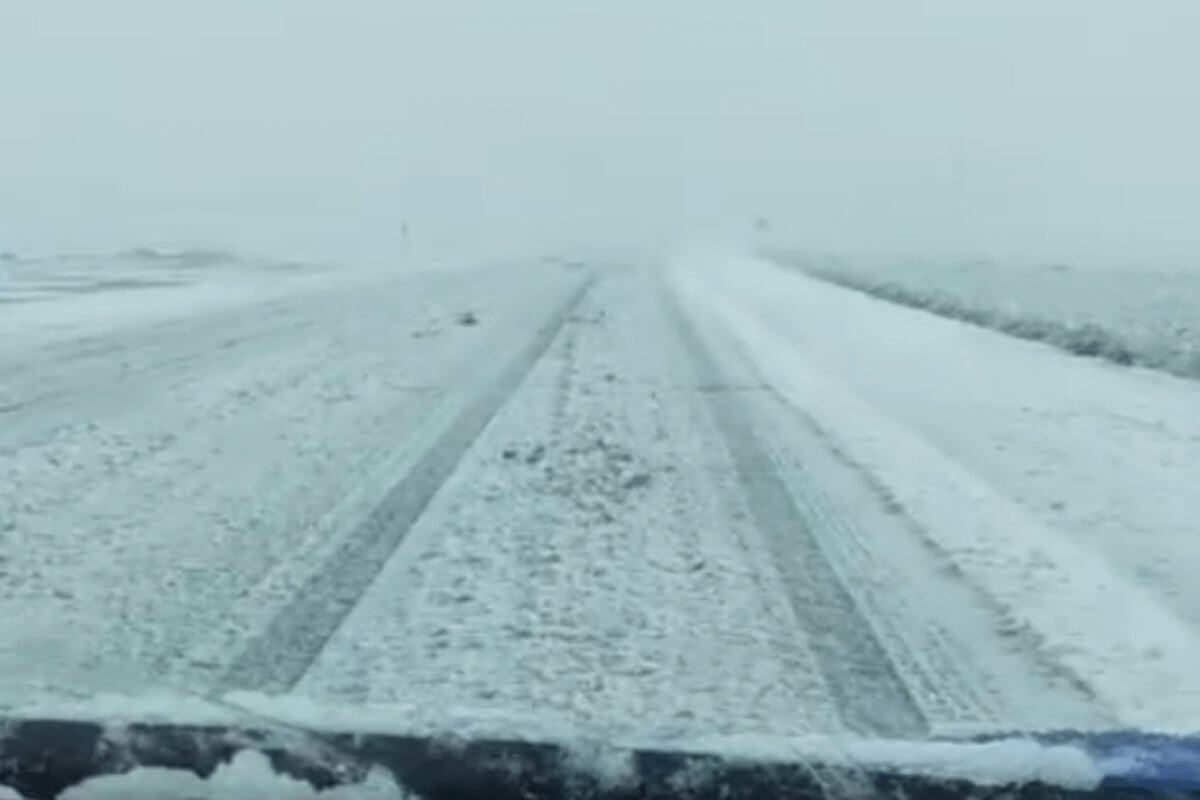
(706,497)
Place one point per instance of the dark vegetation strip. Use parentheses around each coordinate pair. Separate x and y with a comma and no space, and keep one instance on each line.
(1088,339)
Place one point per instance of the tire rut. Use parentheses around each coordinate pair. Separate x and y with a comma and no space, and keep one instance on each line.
(869,693)
(278,658)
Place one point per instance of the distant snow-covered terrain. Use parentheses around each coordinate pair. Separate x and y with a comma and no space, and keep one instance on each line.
(1146,317)
(30,278)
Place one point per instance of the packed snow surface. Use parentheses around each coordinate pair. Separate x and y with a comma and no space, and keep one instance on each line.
(722,499)
(1061,486)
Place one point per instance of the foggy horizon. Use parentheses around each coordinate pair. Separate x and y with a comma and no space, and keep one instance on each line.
(316,128)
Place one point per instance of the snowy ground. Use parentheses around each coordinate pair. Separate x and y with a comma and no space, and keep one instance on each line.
(1133,314)
(159,466)
(719,499)
(37,279)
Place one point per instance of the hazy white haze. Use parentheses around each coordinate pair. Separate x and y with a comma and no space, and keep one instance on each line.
(1056,130)
(705,374)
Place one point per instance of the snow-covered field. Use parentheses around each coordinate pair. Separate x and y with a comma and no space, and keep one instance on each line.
(722,498)
(1132,315)
(40,278)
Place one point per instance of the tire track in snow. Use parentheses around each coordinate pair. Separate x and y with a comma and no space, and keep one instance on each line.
(278,658)
(591,561)
(865,685)
(965,665)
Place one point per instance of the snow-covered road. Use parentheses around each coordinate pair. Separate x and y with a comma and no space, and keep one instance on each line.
(716,498)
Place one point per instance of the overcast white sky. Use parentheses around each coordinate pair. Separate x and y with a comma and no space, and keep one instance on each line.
(1029,128)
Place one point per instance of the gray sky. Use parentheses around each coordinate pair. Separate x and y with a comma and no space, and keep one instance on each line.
(1024,128)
